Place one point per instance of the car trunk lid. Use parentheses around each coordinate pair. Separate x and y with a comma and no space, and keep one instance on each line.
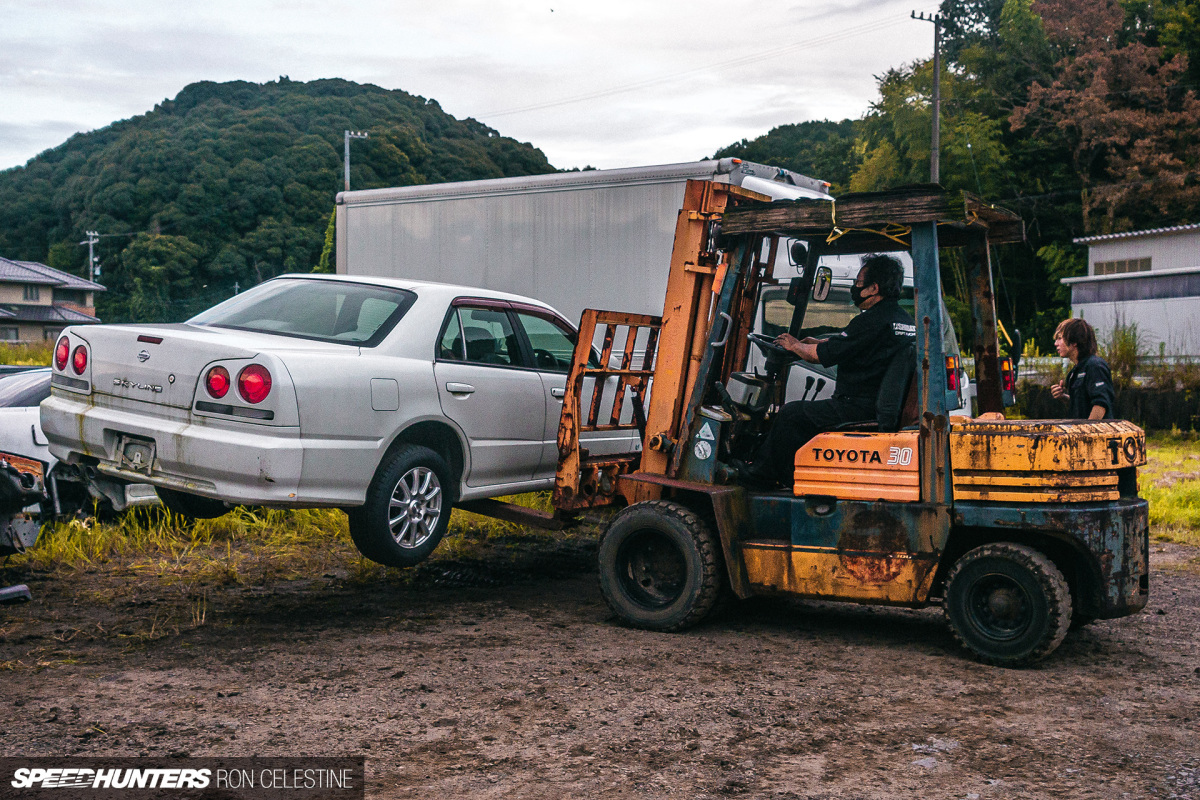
(163,364)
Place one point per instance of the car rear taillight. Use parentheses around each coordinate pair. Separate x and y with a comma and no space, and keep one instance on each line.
(62,351)
(1008,380)
(254,383)
(79,359)
(952,379)
(217,382)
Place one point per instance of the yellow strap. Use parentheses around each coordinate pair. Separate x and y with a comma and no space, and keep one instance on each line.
(891,230)
(1007,338)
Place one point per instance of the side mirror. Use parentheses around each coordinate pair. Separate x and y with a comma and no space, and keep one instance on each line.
(799,253)
(822,284)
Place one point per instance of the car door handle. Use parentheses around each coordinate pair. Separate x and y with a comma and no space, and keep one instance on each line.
(38,438)
(559,393)
(459,388)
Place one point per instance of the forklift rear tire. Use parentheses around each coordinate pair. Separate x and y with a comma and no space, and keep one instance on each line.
(660,566)
(1008,604)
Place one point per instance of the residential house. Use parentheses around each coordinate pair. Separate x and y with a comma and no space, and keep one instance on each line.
(1150,278)
(37,302)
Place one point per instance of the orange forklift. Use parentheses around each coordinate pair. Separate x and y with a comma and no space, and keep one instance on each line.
(1020,530)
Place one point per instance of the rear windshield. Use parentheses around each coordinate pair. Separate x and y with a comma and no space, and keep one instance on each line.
(328,311)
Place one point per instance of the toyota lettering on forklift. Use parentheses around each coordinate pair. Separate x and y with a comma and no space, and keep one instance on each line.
(1019,529)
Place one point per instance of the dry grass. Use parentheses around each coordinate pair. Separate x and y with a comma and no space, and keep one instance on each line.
(243,546)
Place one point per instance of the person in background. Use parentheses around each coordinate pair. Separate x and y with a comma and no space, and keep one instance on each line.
(1088,387)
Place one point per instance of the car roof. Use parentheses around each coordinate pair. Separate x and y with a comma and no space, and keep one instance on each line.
(432,289)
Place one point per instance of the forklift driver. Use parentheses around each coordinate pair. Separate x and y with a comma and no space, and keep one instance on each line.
(861,352)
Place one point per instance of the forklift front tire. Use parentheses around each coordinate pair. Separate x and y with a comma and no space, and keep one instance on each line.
(1008,604)
(660,566)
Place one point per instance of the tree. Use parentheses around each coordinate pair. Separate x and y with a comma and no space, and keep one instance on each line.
(157,276)
(1133,134)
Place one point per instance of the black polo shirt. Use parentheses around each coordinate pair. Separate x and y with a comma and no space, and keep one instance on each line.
(1090,384)
(865,348)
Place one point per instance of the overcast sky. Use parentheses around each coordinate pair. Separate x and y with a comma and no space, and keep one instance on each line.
(612,83)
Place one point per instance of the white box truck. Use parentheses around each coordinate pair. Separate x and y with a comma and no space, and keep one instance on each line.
(575,240)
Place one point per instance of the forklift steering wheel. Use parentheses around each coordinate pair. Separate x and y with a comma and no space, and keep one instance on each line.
(769,348)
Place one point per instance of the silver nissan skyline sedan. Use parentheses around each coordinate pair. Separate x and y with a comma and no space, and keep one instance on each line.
(392,399)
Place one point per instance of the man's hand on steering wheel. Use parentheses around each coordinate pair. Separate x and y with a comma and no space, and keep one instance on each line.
(805,349)
(769,346)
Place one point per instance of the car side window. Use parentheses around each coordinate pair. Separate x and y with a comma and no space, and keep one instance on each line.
(450,345)
(487,337)
(553,346)
(553,343)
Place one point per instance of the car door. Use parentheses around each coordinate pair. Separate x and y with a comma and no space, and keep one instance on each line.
(486,387)
(551,343)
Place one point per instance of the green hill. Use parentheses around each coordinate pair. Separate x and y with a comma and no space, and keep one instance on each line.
(229,184)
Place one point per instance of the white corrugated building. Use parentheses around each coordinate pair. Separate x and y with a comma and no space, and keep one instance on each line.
(1151,278)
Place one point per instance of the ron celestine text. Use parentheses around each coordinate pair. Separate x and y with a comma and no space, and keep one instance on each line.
(317,778)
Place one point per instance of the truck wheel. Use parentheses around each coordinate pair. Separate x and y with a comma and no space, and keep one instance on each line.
(192,506)
(407,509)
(1008,604)
(660,567)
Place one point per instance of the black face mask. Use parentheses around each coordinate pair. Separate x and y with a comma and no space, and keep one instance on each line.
(856,295)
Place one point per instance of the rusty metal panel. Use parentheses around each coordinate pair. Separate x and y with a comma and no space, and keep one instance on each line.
(901,580)
(1046,445)
(1036,487)
(1112,538)
(844,550)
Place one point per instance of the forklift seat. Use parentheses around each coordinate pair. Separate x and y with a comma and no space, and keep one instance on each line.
(896,404)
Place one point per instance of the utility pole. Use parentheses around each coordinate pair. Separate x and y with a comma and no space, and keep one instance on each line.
(352,135)
(936,19)
(91,241)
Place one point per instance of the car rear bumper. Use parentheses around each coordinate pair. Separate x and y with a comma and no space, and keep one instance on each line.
(235,462)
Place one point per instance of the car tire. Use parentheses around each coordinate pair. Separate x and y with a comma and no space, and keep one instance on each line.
(660,566)
(1008,604)
(416,482)
(191,506)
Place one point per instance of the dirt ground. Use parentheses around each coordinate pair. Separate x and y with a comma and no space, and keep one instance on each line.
(507,677)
